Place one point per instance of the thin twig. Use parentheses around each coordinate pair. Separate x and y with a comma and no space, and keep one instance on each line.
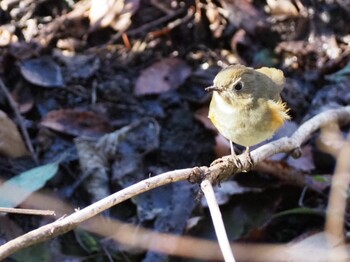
(70,222)
(216,172)
(26,211)
(216,216)
(146,27)
(338,198)
(338,195)
(20,120)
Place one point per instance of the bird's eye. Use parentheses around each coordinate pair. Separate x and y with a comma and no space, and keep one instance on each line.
(238,86)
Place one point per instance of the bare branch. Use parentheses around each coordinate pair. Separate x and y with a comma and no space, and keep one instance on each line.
(338,196)
(214,173)
(20,119)
(26,211)
(219,226)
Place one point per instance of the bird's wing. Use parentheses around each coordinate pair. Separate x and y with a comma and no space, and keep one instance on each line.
(274,74)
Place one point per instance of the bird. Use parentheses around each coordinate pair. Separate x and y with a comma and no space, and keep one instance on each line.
(246,106)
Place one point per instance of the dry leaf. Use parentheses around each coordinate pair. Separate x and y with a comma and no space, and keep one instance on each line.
(162,76)
(7,35)
(77,122)
(242,14)
(11,143)
(282,7)
(42,71)
(113,13)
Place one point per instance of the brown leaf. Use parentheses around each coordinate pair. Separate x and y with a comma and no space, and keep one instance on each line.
(114,13)
(282,7)
(11,143)
(162,76)
(243,14)
(77,122)
(7,35)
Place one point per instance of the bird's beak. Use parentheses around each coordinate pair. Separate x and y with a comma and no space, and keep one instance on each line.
(212,88)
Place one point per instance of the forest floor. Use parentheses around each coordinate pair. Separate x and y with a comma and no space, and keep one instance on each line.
(77,72)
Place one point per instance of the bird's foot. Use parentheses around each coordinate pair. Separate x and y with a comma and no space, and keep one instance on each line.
(249,159)
(233,158)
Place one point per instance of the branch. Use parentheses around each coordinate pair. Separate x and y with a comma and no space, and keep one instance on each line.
(26,211)
(216,216)
(338,196)
(20,119)
(214,173)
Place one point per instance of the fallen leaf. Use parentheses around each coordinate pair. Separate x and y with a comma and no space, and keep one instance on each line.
(15,190)
(42,71)
(7,35)
(162,76)
(123,150)
(11,143)
(77,122)
(114,13)
(282,7)
(243,14)
(79,66)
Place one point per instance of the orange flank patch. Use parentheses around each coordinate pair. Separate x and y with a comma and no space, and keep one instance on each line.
(279,112)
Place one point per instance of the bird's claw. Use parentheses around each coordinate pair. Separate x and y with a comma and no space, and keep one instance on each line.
(233,158)
(249,160)
(237,162)
(230,158)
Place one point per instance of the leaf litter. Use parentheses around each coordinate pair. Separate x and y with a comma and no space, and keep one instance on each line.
(134,72)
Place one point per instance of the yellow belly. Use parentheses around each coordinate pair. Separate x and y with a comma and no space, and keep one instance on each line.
(247,127)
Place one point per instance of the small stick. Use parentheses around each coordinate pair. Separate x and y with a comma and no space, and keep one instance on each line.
(338,196)
(20,120)
(216,216)
(26,211)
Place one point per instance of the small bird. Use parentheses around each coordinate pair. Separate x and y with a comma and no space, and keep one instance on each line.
(246,106)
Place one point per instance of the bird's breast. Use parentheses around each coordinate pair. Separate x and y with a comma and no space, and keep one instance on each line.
(246,125)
